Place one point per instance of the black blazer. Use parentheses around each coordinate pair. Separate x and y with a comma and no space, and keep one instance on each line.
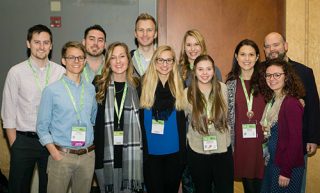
(311,116)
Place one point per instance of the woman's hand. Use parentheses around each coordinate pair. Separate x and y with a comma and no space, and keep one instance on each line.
(283,181)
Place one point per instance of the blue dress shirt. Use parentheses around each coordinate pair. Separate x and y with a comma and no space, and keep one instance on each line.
(57,115)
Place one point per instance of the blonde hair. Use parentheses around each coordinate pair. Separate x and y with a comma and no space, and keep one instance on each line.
(183,60)
(103,81)
(151,79)
(197,100)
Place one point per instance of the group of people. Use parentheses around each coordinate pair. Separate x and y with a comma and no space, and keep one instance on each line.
(145,121)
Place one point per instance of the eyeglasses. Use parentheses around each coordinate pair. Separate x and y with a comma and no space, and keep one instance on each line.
(275,76)
(162,61)
(74,58)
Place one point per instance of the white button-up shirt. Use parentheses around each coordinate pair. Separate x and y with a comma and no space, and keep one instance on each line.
(22,93)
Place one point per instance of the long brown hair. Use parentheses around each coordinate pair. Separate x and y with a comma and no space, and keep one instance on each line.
(197,100)
(102,81)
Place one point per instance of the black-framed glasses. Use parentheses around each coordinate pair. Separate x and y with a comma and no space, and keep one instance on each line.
(162,60)
(74,58)
(275,76)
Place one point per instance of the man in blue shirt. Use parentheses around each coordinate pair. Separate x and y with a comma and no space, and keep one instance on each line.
(65,122)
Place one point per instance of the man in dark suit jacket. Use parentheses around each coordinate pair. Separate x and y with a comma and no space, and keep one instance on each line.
(275,46)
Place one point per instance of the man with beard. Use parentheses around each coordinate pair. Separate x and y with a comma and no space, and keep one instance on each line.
(275,46)
(21,97)
(145,34)
(95,43)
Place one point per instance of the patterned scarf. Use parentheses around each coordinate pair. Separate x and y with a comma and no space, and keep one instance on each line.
(132,175)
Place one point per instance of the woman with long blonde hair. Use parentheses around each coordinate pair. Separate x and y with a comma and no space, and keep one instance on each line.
(163,123)
(209,149)
(117,131)
(193,45)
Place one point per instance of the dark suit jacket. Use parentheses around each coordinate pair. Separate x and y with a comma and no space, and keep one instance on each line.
(311,117)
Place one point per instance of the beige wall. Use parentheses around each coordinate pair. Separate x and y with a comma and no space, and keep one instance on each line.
(303,36)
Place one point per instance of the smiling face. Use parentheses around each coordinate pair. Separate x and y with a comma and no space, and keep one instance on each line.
(145,32)
(95,43)
(275,46)
(192,48)
(40,45)
(204,72)
(164,63)
(275,78)
(246,58)
(119,61)
(74,61)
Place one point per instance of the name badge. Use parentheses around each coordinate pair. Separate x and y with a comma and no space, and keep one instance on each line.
(118,137)
(210,143)
(249,131)
(157,127)
(78,136)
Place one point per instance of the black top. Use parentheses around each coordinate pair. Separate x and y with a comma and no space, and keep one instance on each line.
(119,88)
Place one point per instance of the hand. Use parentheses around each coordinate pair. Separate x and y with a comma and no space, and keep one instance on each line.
(57,156)
(302,102)
(54,152)
(283,181)
(311,148)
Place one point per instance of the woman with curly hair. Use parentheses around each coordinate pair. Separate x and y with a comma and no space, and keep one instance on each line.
(282,124)
(117,131)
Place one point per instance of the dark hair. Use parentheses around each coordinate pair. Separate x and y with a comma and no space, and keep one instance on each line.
(95,27)
(236,70)
(72,44)
(293,85)
(38,29)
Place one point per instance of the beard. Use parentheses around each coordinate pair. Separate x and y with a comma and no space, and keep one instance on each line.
(94,51)
(280,56)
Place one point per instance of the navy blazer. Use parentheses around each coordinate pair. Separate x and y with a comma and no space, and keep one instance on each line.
(311,116)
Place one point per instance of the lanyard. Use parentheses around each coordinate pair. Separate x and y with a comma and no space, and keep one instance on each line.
(139,63)
(36,76)
(119,111)
(73,100)
(248,99)
(191,65)
(86,73)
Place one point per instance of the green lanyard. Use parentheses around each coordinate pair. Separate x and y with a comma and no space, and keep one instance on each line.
(73,100)
(139,63)
(86,73)
(248,99)
(119,111)
(36,76)
(191,65)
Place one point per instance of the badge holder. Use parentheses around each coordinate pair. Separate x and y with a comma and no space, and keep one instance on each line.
(249,129)
(210,143)
(118,137)
(157,127)
(78,135)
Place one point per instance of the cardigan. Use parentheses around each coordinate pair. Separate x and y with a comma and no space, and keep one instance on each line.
(289,150)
